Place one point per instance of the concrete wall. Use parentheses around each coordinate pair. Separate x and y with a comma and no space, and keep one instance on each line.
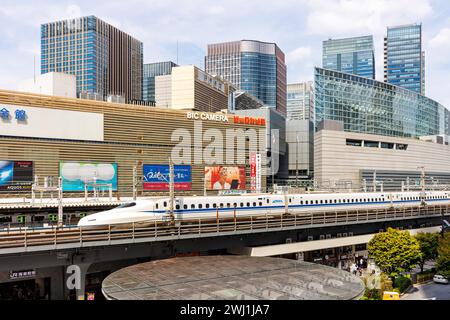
(300,144)
(335,161)
(163,91)
(53,84)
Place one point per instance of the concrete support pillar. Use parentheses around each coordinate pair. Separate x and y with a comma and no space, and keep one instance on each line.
(57,284)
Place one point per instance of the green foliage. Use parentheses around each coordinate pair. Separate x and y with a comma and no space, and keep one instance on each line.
(402,283)
(428,246)
(443,260)
(394,251)
(372,294)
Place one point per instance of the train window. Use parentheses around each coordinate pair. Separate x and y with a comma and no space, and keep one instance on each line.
(317,201)
(248,204)
(177,207)
(235,204)
(207,205)
(290,200)
(126,205)
(267,200)
(156,205)
(192,206)
(214,205)
(221,205)
(242,204)
(254,204)
(200,206)
(301,201)
(185,206)
(165,204)
(228,205)
(326,201)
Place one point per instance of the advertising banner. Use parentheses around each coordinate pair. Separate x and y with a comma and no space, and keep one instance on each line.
(253,172)
(16,175)
(258,173)
(156,177)
(225,178)
(76,174)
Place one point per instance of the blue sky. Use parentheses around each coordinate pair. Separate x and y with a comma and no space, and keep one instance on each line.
(297,26)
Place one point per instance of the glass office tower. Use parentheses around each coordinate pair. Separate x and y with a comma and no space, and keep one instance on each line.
(151,70)
(255,67)
(368,106)
(404,60)
(105,60)
(350,55)
(300,100)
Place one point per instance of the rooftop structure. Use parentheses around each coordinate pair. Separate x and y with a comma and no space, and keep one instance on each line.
(231,278)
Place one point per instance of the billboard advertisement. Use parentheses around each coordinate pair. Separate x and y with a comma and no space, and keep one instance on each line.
(225,178)
(76,174)
(156,177)
(16,175)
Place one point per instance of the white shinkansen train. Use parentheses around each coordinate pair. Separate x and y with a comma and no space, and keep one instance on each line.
(194,207)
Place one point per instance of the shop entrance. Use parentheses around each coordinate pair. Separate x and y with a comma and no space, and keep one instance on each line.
(33,289)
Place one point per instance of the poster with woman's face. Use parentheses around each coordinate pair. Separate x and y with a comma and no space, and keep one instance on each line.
(225,178)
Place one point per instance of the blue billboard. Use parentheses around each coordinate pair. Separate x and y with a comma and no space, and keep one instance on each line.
(16,175)
(156,177)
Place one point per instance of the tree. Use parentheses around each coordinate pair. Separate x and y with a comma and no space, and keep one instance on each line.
(394,251)
(428,246)
(443,260)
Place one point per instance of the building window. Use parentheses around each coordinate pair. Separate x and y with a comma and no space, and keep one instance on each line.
(354,143)
(371,144)
(387,145)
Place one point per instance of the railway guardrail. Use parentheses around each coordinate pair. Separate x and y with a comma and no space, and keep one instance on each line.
(54,238)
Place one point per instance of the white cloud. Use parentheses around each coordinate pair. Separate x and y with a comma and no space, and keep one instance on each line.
(73,11)
(344,17)
(298,54)
(441,40)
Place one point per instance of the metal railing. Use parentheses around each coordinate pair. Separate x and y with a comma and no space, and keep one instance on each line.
(163,230)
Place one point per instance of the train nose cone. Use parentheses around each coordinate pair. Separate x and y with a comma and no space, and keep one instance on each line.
(88,221)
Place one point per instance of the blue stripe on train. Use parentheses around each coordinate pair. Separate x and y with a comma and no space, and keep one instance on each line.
(185,211)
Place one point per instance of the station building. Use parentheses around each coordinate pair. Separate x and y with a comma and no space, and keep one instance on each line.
(49,132)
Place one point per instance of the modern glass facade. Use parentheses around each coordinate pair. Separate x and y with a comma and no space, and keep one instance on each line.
(259,76)
(350,55)
(300,101)
(404,59)
(151,70)
(252,66)
(368,106)
(104,59)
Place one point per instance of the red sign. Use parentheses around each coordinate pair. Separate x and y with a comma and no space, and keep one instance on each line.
(250,120)
(158,186)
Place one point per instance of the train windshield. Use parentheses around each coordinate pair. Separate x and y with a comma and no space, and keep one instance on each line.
(126,205)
